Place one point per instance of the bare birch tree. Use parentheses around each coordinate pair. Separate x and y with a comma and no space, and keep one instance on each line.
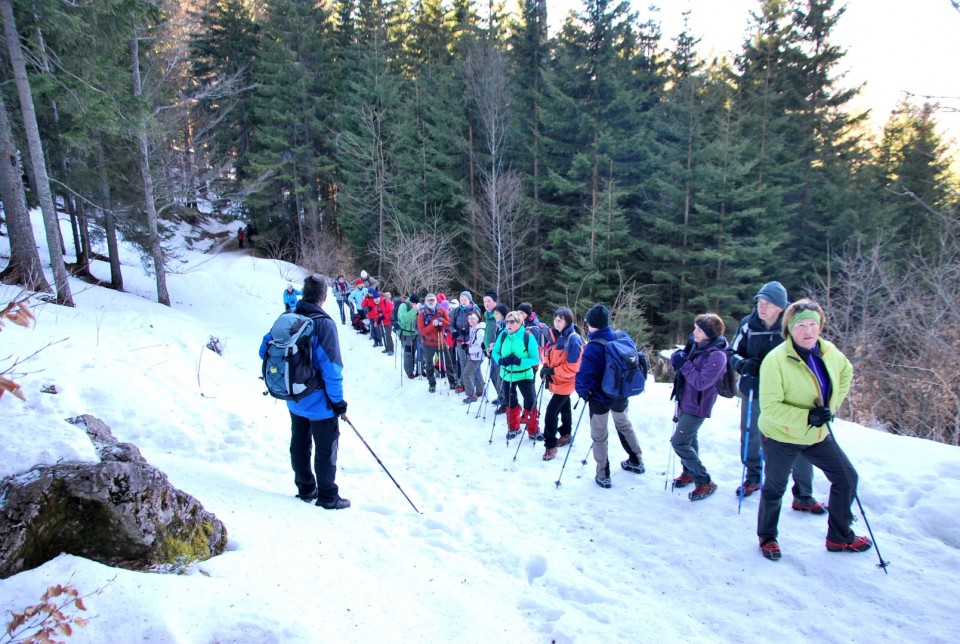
(424,259)
(37,161)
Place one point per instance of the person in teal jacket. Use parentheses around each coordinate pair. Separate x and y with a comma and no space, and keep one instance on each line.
(290,298)
(517,353)
(801,382)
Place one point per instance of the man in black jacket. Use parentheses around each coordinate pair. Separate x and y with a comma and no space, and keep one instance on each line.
(757,334)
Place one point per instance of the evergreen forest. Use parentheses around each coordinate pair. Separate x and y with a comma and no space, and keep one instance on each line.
(456,144)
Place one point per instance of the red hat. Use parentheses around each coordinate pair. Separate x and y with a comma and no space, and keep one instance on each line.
(359,281)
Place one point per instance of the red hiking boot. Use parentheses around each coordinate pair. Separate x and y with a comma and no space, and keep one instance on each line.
(683,480)
(859,544)
(702,491)
(770,549)
(809,504)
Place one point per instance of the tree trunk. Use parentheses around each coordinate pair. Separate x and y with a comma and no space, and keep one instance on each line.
(24,267)
(153,227)
(32,131)
(109,224)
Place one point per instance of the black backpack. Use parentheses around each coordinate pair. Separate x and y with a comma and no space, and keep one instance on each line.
(727,387)
(288,369)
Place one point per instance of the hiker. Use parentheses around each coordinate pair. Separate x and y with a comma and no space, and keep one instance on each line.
(240,233)
(371,307)
(500,315)
(588,386)
(432,323)
(490,336)
(699,366)
(532,324)
(314,420)
(473,356)
(758,334)
(460,329)
(290,298)
(517,354)
(560,365)
(383,312)
(407,333)
(801,382)
(356,304)
(369,281)
(341,291)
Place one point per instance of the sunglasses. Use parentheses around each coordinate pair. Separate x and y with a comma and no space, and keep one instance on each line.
(807,306)
(513,321)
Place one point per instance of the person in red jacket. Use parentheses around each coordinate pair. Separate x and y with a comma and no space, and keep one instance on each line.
(432,323)
(381,319)
(561,361)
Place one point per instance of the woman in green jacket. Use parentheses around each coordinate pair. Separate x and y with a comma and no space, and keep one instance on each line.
(517,353)
(801,381)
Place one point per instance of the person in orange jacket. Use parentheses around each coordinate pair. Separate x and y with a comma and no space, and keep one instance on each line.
(561,361)
(433,323)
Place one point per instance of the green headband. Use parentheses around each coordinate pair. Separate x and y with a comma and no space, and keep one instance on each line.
(806,314)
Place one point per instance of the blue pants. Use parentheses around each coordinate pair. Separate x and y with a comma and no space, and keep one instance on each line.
(325,436)
(802,469)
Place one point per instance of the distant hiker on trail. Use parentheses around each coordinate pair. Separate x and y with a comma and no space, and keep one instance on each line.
(801,382)
(240,234)
(588,385)
(341,291)
(699,366)
(408,334)
(517,353)
(758,334)
(369,281)
(314,420)
(561,362)
(473,356)
(250,232)
(290,297)
(432,323)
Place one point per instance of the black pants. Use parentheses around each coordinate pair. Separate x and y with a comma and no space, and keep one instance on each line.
(325,436)
(526,389)
(559,406)
(826,455)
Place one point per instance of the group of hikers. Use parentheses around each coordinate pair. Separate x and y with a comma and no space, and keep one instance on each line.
(785,413)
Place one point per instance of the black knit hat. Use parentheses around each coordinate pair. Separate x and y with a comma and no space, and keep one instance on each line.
(502,309)
(598,317)
(414,298)
(526,307)
(492,294)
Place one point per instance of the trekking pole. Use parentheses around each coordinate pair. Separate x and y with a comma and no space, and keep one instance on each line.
(522,432)
(883,564)
(570,446)
(493,425)
(746,447)
(671,459)
(347,421)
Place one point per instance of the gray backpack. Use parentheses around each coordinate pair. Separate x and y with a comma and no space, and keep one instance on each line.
(288,369)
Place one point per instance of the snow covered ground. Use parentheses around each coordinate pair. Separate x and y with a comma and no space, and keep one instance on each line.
(499,553)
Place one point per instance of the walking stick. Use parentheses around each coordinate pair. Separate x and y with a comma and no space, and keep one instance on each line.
(746,447)
(671,459)
(493,425)
(570,446)
(347,421)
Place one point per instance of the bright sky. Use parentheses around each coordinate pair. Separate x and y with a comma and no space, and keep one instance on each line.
(892,46)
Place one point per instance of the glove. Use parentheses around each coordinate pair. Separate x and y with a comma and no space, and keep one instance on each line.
(381,319)
(509,361)
(819,416)
(339,408)
(678,359)
(546,373)
(749,367)
(586,397)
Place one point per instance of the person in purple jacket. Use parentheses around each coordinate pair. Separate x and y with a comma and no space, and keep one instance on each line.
(699,366)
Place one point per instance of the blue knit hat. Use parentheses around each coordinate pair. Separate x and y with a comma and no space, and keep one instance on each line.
(598,317)
(775,293)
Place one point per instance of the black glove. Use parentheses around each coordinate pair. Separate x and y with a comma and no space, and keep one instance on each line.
(749,367)
(586,397)
(678,359)
(509,361)
(339,408)
(546,373)
(819,416)
(381,319)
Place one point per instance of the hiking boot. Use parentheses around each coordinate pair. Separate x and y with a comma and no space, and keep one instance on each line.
(770,549)
(336,504)
(389,353)
(308,497)
(702,491)
(859,544)
(384,351)
(605,483)
(512,433)
(630,466)
(748,489)
(564,440)
(411,376)
(458,388)
(536,437)
(809,504)
(502,409)
(469,399)
(683,480)
(550,454)
(433,387)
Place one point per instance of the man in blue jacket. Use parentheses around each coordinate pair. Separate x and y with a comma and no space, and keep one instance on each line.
(315,418)
(588,386)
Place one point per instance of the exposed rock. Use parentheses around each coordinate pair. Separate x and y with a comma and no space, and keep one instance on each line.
(121,512)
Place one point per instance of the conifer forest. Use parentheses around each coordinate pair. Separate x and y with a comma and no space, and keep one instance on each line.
(456,144)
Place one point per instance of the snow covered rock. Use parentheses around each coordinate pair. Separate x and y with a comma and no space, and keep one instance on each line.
(121,512)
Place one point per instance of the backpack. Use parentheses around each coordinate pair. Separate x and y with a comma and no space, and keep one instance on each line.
(288,369)
(625,371)
(727,387)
